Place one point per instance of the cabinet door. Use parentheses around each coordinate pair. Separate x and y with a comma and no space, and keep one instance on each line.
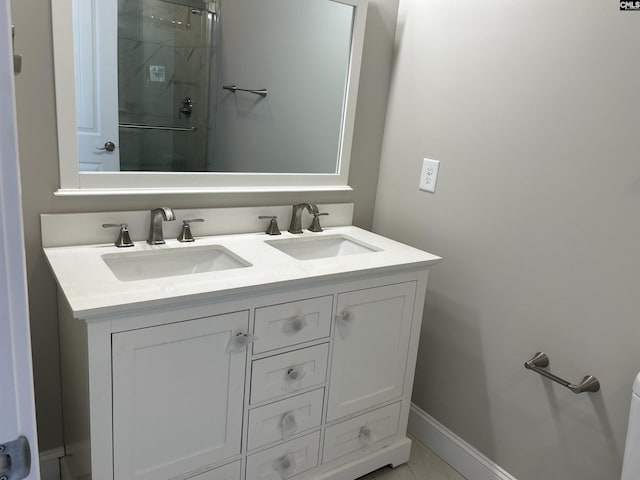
(370,347)
(177,397)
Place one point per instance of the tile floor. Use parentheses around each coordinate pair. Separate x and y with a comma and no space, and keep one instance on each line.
(423,464)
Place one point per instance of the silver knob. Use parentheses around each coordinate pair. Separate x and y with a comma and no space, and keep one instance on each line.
(109,147)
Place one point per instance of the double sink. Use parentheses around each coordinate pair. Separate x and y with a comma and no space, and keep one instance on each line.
(167,262)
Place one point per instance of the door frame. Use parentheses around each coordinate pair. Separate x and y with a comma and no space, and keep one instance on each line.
(16,383)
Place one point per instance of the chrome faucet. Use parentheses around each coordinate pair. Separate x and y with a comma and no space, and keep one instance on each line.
(155,227)
(296,216)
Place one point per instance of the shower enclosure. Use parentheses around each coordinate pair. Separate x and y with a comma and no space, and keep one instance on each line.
(165,64)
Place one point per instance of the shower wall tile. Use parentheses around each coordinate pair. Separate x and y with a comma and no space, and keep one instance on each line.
(157,33)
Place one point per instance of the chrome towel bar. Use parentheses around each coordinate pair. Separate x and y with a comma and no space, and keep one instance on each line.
(540,360)
(157,127)
(232,88)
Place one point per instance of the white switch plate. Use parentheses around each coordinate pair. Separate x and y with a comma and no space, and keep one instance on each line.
(429,175)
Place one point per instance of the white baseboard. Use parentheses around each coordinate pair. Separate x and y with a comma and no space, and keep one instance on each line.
(464,458)
(50,464)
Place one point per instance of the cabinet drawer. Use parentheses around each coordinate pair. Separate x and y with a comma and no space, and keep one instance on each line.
(292,323)
(285,460)
(283,419)
(287,373)
(226,472)
(360,432)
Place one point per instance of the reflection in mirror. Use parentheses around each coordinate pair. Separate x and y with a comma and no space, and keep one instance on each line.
(150,81)
(165,56)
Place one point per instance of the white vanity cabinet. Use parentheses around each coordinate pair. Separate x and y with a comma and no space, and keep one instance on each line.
(177,396)
(319,390)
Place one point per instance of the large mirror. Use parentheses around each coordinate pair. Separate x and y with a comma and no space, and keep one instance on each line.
(206,94)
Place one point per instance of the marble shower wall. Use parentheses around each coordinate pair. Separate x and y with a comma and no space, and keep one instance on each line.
(164,56)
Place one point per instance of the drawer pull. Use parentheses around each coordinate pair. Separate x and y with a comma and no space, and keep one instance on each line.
(344,323)
(285,465)
(366,436)
(288,425)
(240,341)
(295,374)
(293,377)
(343,316)
(294,325)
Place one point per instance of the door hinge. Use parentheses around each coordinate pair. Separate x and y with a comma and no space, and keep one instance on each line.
(15,459)
(17,59)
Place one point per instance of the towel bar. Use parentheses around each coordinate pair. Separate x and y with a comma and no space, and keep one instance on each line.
(157,127)
(232,88)
(541,360)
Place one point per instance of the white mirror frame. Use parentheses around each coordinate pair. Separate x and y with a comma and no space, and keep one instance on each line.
(74,182)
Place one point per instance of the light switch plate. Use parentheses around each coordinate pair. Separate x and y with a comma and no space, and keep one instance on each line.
(429,175)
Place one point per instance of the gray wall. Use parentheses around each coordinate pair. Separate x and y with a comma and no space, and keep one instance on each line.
(38,156)
(532,108)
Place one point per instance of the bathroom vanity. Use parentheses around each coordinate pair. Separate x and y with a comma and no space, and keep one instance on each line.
(287,356)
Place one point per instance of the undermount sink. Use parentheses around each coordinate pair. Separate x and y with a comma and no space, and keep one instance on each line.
(169,262)
(310,248)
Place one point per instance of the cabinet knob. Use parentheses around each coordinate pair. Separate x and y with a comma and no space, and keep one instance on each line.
(288,425)
(366,436)
(285,465)
(294,325)
(240,341)
(294,374)
(344,315)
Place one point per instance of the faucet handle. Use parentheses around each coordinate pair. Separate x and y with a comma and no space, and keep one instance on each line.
(185,234)
(272,229)
(123,240)
(315,223)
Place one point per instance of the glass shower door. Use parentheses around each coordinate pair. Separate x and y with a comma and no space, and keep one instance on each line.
(164,67)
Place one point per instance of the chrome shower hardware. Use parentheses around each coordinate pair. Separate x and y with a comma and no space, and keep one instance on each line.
(232,88)
(187,107)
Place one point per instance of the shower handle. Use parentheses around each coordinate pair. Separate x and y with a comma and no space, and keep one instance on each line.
(187,107)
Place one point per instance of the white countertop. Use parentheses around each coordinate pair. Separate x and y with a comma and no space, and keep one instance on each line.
(92,289)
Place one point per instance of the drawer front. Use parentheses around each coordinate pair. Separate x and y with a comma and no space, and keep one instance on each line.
(360,432)
(292,323)
(286,460)
(287,373)
(226,472)
(281,420)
